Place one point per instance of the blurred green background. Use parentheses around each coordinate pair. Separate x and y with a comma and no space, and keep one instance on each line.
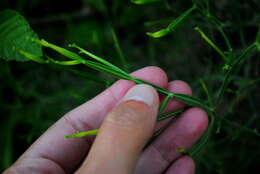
(34,96)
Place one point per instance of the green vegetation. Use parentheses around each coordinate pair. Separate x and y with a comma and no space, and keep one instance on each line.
(214,46)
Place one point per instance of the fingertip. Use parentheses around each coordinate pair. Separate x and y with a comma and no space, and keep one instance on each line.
(144,93)
(184,165)
(125,131)
(153,74)
(178,87)
(189,162)
(198,118)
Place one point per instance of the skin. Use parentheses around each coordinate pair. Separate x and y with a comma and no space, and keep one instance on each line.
(117,148)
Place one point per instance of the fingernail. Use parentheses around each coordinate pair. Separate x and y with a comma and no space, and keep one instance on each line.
(144,93)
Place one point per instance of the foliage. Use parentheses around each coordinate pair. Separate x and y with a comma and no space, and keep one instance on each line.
(16,34)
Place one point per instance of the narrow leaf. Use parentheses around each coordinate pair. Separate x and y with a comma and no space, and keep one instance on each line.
(192,101)
(159,33)
(258,36)
(169,114)
(234,66)
(205,138)
(66,63)
(171,27)
(99,59)
(212,44)
(60,50)
(204,87)
(119,50)
(139,2)
(83,134)
(164,103)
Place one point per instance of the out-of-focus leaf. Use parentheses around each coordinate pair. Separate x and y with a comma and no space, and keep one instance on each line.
(15,35)
(144,1)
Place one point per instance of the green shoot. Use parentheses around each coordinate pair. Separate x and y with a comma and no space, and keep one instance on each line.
(119,50)
(60,50)
(99,59)
(219,26)
(66,63)
(214,46)
(140,2)
(83,134)
(204,139)
(257,41)
(171,27)
(233,67)
(183,151)
(169,114)
(204,87)
(164,103)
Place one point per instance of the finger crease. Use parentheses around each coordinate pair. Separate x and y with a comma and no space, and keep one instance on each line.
(79,128)
(165,160)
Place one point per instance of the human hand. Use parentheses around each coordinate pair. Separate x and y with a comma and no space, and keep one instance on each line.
(126,122)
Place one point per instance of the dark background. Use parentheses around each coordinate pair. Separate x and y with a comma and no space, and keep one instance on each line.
(34,96)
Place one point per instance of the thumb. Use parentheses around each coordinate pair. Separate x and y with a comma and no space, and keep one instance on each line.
(123,133)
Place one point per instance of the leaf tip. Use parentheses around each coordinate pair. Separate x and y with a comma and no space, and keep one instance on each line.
(158,34)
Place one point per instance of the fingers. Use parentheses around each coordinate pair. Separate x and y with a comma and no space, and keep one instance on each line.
(52,145)
(94,111)
(124,133)
(178,87)
(182,134)
(184,165)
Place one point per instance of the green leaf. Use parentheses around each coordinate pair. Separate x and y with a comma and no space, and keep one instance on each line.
(169,114)
(205,89)
(182,150)
(212,44)
(258,36)
(144,1)
(103,61)
(16,35)
(192,101)
(164,103)
(159,33)
(83,134)
(60,50)
(172,25)
(31,56)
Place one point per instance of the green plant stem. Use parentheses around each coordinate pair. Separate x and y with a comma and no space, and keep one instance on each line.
(234,66)
(204,87)
(219,26)
(212,44)
(99,59)
(164,103)
(204,139)
(180,97)
(241,127)
(164,116)
(171,27)
(83,134)
(119,50)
